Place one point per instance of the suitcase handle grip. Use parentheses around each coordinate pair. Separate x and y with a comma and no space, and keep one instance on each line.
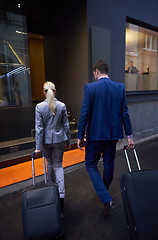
(33,168)
(127,159)
(125,147)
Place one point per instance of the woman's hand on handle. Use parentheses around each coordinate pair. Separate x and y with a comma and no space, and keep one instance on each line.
(37,151)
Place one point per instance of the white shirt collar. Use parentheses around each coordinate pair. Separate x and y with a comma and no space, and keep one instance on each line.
(103,77)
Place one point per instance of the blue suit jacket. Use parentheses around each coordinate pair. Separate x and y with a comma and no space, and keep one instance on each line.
(104,111)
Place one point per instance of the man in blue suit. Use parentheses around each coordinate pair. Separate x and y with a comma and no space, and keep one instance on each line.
(104,113)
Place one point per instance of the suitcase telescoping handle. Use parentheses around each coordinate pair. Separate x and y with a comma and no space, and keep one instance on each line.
(33,168)
(127,159)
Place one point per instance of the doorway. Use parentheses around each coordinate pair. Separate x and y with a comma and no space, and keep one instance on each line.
(37,67)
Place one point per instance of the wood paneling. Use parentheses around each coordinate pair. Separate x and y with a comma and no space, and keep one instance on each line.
(37,68)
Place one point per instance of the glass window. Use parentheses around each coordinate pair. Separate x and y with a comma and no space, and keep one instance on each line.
(141,61)
(15,87)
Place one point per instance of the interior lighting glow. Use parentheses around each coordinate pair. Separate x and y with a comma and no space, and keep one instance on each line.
(19,32)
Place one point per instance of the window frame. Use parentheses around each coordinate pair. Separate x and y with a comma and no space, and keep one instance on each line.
(141,95)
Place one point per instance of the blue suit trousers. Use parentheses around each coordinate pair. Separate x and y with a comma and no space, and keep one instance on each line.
(93,152)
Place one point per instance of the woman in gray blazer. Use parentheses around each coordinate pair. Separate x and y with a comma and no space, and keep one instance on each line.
(52,132)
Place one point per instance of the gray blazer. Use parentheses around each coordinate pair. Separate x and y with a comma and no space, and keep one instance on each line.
(51,128)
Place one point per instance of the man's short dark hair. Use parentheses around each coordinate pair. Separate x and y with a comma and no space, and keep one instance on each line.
(102,66)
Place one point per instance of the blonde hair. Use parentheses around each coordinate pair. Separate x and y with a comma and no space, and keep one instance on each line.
(49,89)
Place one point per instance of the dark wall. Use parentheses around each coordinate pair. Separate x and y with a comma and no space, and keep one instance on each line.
(66,55)
(16,122)
(111,15)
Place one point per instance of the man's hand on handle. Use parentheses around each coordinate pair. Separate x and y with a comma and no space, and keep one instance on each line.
(130,142)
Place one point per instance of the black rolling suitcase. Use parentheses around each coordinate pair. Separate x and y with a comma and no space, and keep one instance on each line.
(42,219)
(140,198)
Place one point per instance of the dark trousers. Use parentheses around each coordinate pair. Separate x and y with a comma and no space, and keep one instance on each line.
(94,149)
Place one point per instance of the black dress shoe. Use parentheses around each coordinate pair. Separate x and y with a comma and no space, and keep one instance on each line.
(108,208)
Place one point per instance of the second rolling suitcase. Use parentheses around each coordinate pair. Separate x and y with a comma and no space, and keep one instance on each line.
(41,210)
(140,198)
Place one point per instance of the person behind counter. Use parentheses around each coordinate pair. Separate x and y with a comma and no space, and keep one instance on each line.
(131,68)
